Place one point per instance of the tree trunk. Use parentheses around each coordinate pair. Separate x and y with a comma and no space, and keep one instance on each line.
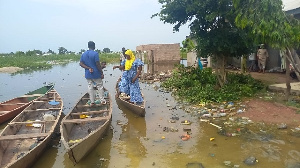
(243,64)
(220,70)
(287,78)
(294,59)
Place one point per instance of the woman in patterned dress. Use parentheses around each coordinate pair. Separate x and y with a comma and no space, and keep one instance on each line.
(129,83)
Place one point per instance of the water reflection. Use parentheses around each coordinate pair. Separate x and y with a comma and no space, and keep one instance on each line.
(143,142)
(132,132)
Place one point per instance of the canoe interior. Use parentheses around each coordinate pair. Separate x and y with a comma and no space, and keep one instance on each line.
(29,130)
(138,109)
(12,107)
(84,126)
(78,130)
(13,104)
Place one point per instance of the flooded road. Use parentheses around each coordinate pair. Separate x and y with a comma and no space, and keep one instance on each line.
(160,139)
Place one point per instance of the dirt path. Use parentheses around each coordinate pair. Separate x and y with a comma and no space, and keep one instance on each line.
(272,112)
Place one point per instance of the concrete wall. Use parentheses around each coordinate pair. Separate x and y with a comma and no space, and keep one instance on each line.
(191,59)
(273,61)
(159,57)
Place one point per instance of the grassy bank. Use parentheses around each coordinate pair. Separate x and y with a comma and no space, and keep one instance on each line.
(44,62)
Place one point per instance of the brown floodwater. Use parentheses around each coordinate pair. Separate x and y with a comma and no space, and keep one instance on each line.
(156,140)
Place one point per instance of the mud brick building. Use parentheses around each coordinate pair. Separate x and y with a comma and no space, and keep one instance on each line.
(159,57)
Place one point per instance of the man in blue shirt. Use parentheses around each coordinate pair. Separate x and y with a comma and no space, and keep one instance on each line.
(93,72)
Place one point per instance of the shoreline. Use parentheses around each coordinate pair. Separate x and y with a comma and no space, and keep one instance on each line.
(10,70)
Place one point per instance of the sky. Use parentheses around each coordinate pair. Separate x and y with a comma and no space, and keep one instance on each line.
(49,24)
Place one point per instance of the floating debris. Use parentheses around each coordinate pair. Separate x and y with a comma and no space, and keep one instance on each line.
(250,160)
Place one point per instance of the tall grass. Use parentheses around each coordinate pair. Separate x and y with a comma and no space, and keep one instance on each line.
(47,61)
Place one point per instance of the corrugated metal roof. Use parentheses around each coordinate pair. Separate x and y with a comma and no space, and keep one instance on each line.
(290,4)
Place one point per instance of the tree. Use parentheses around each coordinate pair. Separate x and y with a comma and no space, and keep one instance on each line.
(50,51)
(19,53)
(30,53)
(98,51)
(62,50)
(188,45)
(38,52)
(82,51)
(106,50)
(269,24)
(212,27)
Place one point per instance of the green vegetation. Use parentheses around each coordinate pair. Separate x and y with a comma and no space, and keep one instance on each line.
(183,54)
(34,62)
(200,86)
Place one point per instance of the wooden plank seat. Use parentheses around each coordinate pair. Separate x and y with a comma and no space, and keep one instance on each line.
(33,95)
(85,120)
(44,99)
(23,136)
(30,122)
(89,112)
(38,101)
(4,111)
(87,98)
(12,104)
(48,109)
(86,105)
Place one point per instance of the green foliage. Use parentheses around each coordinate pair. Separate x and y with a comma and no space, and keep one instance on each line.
(62,50)
(195,85)
(106,50)
(188,44)
(183,53)
(267,23)
(22,60)
(109,57)
(212,26)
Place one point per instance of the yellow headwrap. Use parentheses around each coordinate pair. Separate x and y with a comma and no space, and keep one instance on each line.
(128,62)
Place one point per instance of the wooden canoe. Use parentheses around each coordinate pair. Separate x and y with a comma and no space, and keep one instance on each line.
(11,108)
(83,128)
(24,139)
(138,109)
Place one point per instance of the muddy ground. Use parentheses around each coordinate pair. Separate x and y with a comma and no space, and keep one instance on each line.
(271,109)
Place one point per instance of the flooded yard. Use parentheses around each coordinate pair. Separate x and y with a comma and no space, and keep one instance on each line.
(172,134)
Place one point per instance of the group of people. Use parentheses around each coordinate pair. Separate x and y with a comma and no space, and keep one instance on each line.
(129,64)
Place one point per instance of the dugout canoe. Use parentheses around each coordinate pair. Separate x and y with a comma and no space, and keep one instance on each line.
(138,109)
(26,137)
(83,128)
(11,108)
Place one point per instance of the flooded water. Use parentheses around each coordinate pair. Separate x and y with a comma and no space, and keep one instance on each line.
(158,139)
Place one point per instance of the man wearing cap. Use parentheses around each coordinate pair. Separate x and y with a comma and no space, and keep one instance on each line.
(262,55)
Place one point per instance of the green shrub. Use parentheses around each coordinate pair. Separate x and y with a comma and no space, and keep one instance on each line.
(195,85)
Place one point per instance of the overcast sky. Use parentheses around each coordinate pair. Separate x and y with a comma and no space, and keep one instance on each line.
(50,24)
